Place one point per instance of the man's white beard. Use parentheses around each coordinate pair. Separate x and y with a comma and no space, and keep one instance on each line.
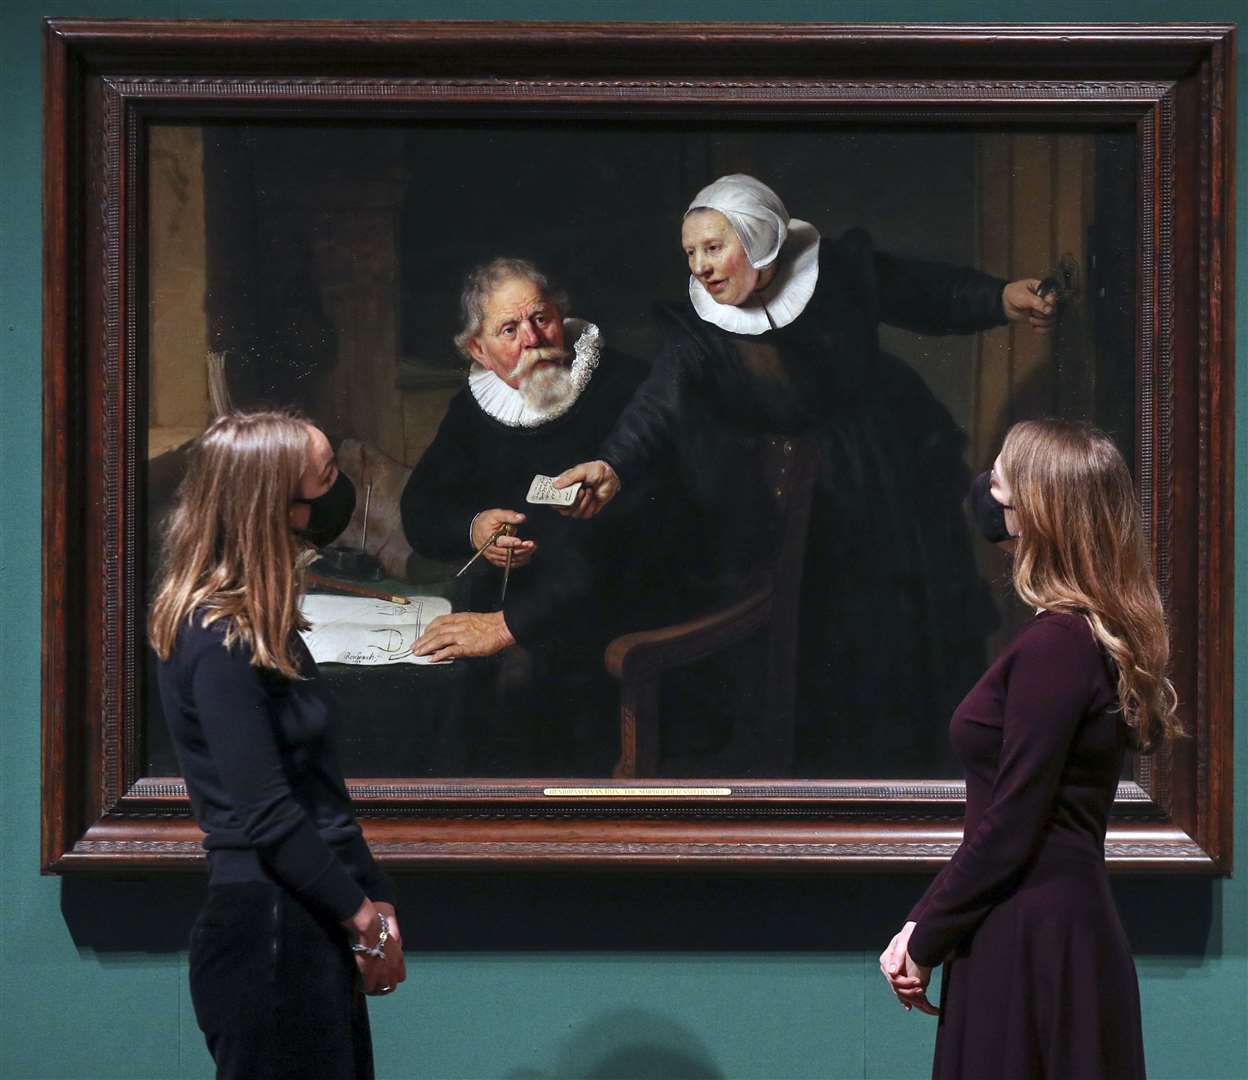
(549,387)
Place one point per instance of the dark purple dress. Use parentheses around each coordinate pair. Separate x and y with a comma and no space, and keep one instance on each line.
(1038,978)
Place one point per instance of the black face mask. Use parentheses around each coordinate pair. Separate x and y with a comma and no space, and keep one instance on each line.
(330,513)
(987,513)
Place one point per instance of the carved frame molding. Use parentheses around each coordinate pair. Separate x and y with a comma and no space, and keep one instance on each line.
(105,80)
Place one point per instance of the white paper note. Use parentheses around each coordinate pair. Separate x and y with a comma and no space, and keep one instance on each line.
(543,492)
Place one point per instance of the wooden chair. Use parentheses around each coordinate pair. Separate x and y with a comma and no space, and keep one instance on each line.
(638,660)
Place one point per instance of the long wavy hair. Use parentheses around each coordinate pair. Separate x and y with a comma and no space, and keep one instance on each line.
(228,551)
(1081,548)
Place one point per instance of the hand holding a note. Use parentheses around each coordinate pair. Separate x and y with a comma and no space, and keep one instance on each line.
(599,484)
(542,492)
(487,523)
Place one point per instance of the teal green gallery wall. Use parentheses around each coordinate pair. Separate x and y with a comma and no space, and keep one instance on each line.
(534,977)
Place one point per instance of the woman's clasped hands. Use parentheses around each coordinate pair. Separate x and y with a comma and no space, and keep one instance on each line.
(906,979)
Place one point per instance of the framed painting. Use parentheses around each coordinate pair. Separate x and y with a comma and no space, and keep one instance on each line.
(294,215)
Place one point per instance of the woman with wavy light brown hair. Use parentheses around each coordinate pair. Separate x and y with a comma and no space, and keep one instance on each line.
(299,918)
(1039,980)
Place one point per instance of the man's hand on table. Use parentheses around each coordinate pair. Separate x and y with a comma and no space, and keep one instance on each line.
(463,634)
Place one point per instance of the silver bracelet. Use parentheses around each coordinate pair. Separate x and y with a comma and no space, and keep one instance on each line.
(378,951)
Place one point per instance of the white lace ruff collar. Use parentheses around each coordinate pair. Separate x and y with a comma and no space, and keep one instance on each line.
(507,405)
(797,272)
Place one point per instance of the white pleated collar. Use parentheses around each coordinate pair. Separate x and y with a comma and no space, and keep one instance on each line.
(797,273)
(507,405)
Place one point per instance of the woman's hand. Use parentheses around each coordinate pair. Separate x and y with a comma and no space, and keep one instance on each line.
(463,634)
(379,974)
(599,484)
(906,979)
(1021,301)
(911,988)
(487,523)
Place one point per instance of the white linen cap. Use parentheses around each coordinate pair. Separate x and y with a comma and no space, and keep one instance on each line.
(756,214)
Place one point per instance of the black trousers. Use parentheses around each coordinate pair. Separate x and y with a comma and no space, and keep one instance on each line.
(275,989)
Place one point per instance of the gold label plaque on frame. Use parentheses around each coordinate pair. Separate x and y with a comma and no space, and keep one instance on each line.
(632,792)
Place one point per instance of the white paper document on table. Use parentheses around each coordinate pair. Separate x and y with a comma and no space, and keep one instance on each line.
(359,630)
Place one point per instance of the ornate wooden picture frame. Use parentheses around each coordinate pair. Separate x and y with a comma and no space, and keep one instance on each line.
(1170,88)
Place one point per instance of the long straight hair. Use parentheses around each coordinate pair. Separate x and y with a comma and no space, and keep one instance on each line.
(229,552)
(1081,548)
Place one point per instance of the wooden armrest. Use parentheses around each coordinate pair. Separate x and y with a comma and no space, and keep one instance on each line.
(646,653)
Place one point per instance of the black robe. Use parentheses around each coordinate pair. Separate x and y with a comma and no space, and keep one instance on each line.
(588,580)
(894,616)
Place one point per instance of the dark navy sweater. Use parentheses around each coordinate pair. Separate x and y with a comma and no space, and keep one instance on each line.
(256,751)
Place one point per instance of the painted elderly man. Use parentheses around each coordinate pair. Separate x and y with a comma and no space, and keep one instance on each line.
(541,387)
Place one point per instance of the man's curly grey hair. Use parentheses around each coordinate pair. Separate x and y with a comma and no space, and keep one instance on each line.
(480,283)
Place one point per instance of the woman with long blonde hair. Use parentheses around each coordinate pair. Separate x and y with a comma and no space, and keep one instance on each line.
(299,920)
(1038,978)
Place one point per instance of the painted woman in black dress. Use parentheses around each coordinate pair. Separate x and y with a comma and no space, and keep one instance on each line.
(780,335)
(1038,977)
(299,921)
